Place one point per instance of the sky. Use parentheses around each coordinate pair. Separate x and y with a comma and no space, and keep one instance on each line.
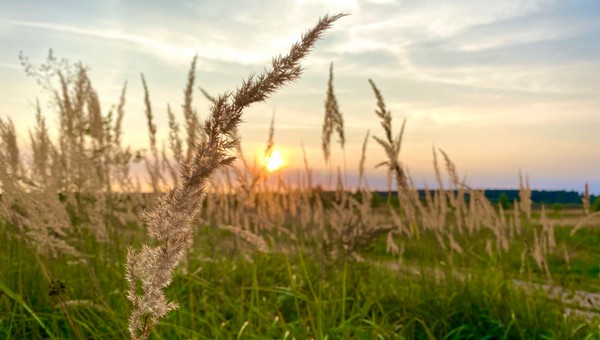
(501,87)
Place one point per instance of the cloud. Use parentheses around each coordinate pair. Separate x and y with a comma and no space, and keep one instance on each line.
(11,66)
(443,19)
(161,47)
(547,27)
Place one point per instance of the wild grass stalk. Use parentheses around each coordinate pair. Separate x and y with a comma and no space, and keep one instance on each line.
(193,128)
(525,195)
(41,148)
(333,119)
(152,166)
(390,144)
(175,144)
(585,199)
(169,223)
(10,149)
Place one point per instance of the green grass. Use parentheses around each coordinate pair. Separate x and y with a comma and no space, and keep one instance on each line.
(277,296)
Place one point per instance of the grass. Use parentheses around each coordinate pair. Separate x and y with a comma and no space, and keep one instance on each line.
(225,253)
(278,294)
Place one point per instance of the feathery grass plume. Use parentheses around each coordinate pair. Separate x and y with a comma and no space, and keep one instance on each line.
(78,166)
(516,218)
(332,120)
(72,129)
(95,125)
(41,148)
(353,224)
(9,147)
(256,241)
(44,73)
(540,247)
(438,208)
(36,214)
(585,200)
(451,169)
(166,164)
(121,156)
(175,145)
(192,123)
(525,195)
(361,164)
(547,230)
(37,217)
(500,229)
(33,210)
(441,200)
(457,199)
(94,120)
(267,154)
(392,146)
(169,223)
(120,114)
(389,144)
(153,168)
(83,161)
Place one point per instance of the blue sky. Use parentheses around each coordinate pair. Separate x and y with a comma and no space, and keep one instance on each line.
(500,86)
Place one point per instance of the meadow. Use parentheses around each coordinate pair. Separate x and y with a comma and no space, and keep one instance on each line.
(220,247)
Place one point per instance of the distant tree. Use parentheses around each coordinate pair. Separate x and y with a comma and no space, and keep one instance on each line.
(376,200)
(596,205)
(503,201)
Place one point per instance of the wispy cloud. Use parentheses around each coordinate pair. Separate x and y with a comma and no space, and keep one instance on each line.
(11,66)
(171,51)
(156,46)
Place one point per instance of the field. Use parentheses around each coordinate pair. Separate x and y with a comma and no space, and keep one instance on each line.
(221,248)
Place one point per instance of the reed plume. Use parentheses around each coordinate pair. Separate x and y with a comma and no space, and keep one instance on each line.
(333,119)
(9,153)
(152,168)
(525,195)
(390,144)
(169,223)
(192,123)
(585,199)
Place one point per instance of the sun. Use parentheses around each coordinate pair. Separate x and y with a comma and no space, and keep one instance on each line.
(275,161)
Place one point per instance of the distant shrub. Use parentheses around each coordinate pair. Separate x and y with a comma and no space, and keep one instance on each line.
(503,201)
(596,205)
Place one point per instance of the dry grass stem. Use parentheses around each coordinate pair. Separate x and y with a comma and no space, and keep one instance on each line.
(169,223)
(333,119)
(585,200)
(390,144)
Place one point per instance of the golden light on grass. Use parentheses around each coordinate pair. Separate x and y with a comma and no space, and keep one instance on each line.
(274,161)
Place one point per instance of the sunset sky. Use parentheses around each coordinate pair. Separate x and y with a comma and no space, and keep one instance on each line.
(500,86)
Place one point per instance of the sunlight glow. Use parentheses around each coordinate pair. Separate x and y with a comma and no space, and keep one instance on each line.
(275,161)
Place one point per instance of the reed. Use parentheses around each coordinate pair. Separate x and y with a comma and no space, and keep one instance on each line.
(169,223)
